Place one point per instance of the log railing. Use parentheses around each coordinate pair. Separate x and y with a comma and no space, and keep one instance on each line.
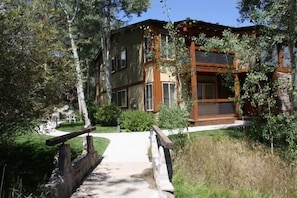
(69,174)
(162,163)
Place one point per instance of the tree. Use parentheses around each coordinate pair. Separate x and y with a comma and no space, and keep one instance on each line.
(278,19)
(34,74)
(112,14)
(70,17)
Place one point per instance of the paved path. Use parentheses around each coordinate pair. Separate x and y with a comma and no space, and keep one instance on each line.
(120,174)
(125,163)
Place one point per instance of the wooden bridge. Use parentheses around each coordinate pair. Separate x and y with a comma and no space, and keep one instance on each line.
(126,169)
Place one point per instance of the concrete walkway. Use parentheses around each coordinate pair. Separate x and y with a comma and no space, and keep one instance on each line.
(125,170)
(120,174)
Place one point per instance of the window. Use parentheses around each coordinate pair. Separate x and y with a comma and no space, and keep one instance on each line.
(169,95)
(287,56)
(113,65)
(114,98)
(122,98)
(270,57)
(121,60)
(206,91)
(149,96)
(147,48)
(167,47)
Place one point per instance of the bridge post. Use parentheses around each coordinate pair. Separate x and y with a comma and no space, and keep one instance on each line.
(64,159)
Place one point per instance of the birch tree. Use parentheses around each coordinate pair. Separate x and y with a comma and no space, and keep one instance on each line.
(79,75)
(114,14)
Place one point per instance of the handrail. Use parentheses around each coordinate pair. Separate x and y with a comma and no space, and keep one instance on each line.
(165,141)
(63,138)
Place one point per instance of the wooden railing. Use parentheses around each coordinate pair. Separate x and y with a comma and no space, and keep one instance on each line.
(63,138)
(164,145)
(68,174)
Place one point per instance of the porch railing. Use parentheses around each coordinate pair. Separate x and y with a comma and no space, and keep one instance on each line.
(212,107)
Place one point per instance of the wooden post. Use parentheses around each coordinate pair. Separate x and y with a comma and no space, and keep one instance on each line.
(64,159)
(194,81)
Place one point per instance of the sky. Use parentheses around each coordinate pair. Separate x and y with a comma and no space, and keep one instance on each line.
(223,12)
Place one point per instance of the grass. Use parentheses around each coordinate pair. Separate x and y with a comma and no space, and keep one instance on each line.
(29,161)
(70,127)
(222,163)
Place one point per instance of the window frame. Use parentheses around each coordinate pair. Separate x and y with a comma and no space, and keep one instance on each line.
(166,49)
(149,98)
(171,101)
(119,99)
(147,48)
(121,63)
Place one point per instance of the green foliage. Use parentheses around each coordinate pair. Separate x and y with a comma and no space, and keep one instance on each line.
(279,129)
(107,114)
(33,73)
(137,120)
(172,118)
(92,109)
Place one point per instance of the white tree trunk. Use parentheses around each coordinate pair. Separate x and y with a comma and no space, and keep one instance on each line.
(105,44)
(79,85)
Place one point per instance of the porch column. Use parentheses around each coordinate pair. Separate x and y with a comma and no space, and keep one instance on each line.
(194,81)
(237,94)
(157,88)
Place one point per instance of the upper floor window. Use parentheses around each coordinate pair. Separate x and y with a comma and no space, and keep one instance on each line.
(169,94)
(270,57)
(121,60)
(287,56)
(113,65)
(147,48)
(167,47)
(149,97)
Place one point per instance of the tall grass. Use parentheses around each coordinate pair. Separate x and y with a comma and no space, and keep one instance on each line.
(228,167)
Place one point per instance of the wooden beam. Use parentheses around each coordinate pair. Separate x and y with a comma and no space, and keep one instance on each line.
(64,138)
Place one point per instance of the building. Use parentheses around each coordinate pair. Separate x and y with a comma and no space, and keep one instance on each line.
(141,81)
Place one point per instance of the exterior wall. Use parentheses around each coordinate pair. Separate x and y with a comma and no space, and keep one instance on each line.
(149,74)
(165,75)
(133,72)
(136,97)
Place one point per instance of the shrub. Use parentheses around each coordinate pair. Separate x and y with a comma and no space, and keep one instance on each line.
(92,110)
(107,114)
(172,118)
(137,120)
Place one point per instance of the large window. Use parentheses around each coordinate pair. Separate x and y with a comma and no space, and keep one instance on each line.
(122,98)
(149,97)
(167,47)
(147,48)
(169,94)
(206,91)
(121,60)
(287,56)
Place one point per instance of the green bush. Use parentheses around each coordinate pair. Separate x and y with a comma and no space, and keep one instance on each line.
(107,114)
(92,110)
(137,120)
(172,118)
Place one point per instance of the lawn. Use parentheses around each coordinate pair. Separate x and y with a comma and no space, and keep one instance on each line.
(223,163)
(71,127)
(29,162)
